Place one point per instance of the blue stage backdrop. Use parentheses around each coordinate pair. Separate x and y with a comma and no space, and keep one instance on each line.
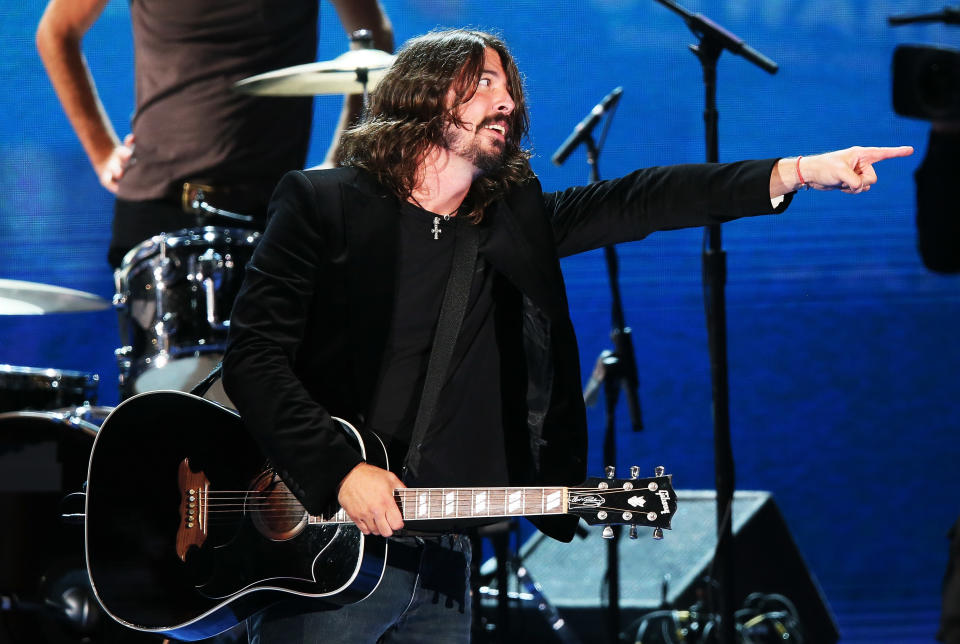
(843,349)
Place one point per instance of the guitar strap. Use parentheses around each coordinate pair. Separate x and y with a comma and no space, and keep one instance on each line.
(201,387)
(455,296)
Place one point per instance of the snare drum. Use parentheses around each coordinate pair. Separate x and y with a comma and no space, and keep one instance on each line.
(39,389)
(174,294)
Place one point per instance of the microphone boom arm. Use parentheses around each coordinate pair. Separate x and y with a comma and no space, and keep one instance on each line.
(707,30)
(584,128)
(948,15)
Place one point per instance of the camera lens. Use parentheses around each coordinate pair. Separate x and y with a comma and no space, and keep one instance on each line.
(937,84)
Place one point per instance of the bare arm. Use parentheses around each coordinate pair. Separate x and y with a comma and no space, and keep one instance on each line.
(358,14)
(58,37)
(849,170)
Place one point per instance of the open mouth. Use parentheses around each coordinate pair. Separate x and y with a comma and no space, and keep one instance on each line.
(496,127)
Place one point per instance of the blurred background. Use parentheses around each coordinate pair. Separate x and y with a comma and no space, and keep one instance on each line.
(843,348)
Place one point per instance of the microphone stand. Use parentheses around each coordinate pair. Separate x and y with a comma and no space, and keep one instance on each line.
(619,371)
(713,39)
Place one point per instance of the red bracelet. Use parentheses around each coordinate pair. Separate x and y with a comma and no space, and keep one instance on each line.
(803,183)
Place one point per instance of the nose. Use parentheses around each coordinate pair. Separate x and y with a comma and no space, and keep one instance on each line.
(505,102)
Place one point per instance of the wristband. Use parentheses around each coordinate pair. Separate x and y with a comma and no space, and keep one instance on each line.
(803,183)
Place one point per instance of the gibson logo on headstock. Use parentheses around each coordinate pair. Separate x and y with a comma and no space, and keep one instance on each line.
(664,498)
(589,501)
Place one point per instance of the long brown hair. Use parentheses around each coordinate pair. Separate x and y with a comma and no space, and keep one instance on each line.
(408,115)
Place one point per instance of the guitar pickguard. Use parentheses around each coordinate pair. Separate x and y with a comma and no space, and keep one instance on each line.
(251,560)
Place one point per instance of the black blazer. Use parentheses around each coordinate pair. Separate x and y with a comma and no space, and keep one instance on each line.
(309,326)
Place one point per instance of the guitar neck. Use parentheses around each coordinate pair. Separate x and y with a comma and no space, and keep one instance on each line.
(418,504)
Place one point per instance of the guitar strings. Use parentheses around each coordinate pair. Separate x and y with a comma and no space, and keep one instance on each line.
(437,497)
(282,503)
(297,512)
(438,490)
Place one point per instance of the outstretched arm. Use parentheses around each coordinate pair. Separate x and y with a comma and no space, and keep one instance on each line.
(58,37)
(849,170)
(354,15)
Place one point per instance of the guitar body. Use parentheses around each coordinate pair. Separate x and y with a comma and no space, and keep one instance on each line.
(143,572)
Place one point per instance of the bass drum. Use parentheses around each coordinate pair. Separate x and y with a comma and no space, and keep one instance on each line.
(175,293)
(43,458)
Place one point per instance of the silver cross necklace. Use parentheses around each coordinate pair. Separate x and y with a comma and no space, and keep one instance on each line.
(436,230)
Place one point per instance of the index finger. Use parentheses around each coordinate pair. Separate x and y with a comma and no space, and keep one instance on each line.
(872,155)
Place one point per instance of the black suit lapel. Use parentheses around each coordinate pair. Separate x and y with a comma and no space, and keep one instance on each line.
(371,230)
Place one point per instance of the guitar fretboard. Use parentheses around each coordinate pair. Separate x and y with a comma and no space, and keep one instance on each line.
(470,503)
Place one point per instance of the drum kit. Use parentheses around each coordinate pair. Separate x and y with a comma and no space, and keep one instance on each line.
(173,296)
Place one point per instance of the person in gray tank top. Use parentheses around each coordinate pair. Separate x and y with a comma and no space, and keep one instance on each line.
(187,124)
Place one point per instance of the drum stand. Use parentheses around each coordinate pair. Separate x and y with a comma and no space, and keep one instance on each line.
(364,38)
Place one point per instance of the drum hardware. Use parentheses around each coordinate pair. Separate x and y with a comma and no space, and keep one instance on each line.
(195,203)
(124,357)
(86,418)
(32,298)
(73,508)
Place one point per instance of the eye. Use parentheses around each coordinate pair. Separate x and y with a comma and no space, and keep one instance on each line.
(484,82)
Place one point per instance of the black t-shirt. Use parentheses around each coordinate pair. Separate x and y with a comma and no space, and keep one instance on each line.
(464,445)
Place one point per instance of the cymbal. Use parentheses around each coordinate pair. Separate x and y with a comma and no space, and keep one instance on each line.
(337,76)
(33,298)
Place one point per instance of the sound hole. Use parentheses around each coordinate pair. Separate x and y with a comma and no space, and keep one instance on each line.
(277,514)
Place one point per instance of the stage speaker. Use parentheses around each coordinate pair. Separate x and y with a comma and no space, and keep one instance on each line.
(660,574)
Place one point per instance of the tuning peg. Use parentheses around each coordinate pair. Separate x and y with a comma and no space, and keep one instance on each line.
(658,533)
(633,532)
(634,471)
(611,471)
(658,470)
(607,532)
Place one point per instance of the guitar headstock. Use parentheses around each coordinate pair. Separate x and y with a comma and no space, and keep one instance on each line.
(634,501)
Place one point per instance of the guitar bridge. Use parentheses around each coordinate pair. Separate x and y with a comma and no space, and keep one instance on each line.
(192,530)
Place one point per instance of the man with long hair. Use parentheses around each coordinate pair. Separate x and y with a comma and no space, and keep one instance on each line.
(340,307)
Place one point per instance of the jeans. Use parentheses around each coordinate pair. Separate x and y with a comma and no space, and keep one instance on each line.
(424,596)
